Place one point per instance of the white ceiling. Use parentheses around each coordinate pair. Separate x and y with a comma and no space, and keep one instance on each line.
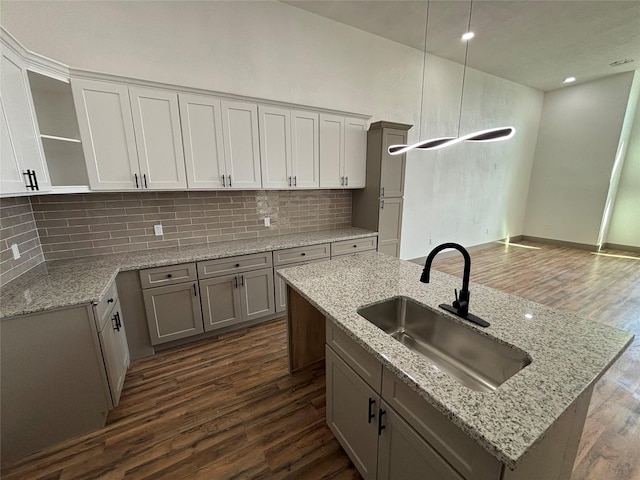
(535,43)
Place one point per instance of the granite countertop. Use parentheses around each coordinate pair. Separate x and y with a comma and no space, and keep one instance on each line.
(66,283)
(568,353)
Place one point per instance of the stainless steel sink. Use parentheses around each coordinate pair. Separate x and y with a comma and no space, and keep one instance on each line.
(474,360)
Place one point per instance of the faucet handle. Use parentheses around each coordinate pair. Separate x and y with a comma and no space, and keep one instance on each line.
(456,302)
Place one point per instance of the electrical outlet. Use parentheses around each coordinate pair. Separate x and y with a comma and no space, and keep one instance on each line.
(157,229)
(267,222)
(16,251)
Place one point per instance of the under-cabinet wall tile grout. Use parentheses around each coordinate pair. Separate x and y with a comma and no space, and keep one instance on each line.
(72,225)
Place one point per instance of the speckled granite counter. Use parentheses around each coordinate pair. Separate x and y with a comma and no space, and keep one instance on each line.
(66,283)
(568,353)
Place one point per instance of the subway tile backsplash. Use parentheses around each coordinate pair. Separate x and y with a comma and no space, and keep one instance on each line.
(17,225)
(102,223)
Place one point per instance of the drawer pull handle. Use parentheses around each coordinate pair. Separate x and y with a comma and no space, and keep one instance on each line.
(372,415)
(169,275)
(380,425)
(110,300)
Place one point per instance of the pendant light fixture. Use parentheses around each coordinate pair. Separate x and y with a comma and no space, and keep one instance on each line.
(489,135)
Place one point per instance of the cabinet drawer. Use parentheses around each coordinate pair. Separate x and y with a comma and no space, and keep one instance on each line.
(358,245)
(463,453)
(355,356)
(300,254)
(169,275)
(104,307)
(226,266)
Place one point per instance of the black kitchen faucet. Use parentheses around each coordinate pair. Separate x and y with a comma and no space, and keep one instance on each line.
(460,306)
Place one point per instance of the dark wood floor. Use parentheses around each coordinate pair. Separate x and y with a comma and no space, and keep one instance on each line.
(228,409)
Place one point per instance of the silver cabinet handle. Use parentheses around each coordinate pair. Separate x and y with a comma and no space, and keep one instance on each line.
(144,176)
(342,181)
(242,280)
(229,180)
(224,182)
(135,175)
(382,204)
(289,181)
(347,179)
(295,181)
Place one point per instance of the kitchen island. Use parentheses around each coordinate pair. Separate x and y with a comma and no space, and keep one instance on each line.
(519,423)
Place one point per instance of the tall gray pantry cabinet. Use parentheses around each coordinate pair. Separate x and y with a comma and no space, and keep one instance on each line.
(379,205)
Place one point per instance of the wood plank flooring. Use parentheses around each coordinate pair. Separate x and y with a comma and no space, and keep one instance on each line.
(228,409)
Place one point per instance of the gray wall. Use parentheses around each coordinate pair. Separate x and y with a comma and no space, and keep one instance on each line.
(574,156)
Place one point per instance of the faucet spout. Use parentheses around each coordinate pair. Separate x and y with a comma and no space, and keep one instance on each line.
(460,305)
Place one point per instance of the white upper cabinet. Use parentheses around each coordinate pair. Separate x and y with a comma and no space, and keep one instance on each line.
(156,122)
(331,151)
(23,164)
(289,148)
(275,147)
(305,149)
(201,119)
(108,138)
(241,144)
(355,152)
(131,136)
(343,149)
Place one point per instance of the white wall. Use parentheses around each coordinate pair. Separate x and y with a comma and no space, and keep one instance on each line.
(275,51)
(576,148)
(624,228)
(469,193)
(261,49)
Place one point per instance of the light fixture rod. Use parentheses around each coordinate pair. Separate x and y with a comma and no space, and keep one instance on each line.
(464,70)
(424,66)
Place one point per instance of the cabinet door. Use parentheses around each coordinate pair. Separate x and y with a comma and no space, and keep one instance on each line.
(11,180)
(21,128)
(280,288)
(392,166)
(173,312)
(106,130)
(220,302)
(305,149)
(331,151)
(402,453)
(355,152)
(156,121)
(390,226)
(352,414)
(115,351)
(275,147)
(241,145)
(256,294)
(201,119)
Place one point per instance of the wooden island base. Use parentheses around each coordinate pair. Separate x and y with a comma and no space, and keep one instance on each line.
(306,332)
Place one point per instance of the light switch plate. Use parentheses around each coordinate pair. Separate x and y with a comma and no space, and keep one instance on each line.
(157,229)
(267,221)
(16,251)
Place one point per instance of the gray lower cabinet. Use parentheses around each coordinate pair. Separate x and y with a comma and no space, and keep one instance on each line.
(232,299)
(387,430)
(403,454)
(389,226)
(115,351)
(173,312)
(352,414)
(62,371)
(220,302)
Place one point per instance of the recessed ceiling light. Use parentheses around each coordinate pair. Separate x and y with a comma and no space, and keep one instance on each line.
(569,80)
(468,36)
(617,63)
